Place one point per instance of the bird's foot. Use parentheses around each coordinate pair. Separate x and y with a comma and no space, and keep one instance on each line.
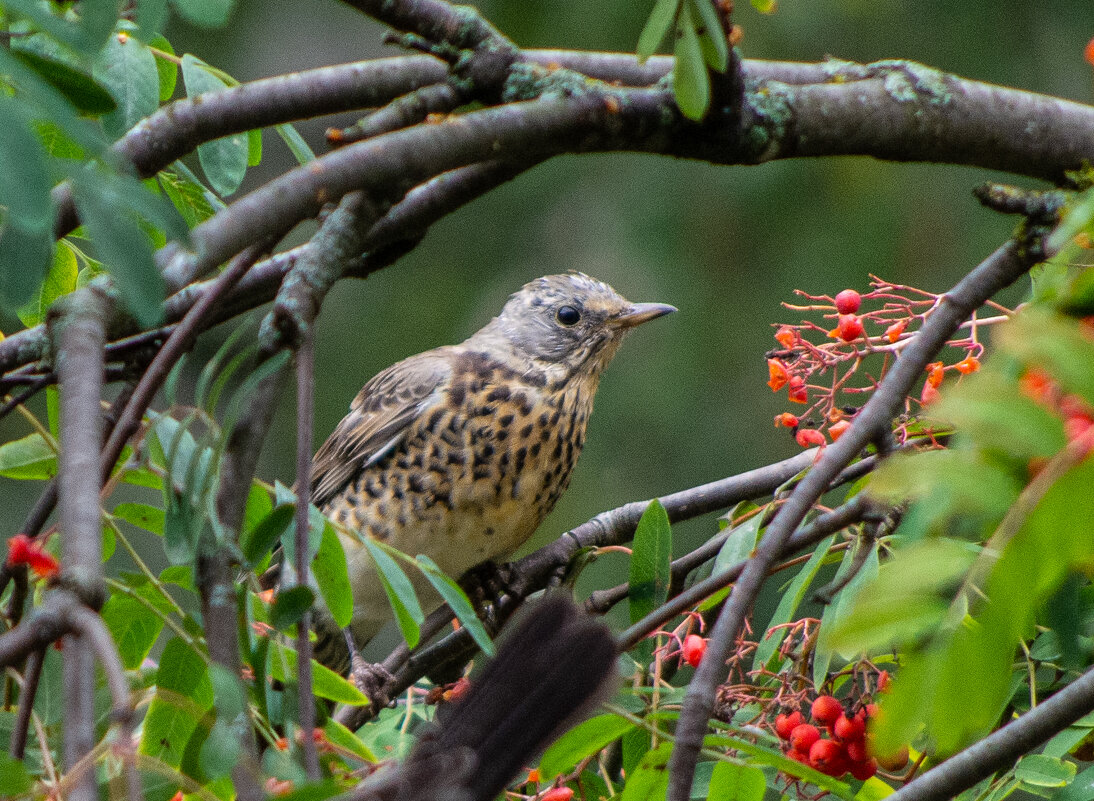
(372,679)
(489,586)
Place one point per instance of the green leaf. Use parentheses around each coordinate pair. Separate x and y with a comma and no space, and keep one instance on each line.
(712,38)
(224,160)
(85,93)
(730,782)
(457,601)
(188,198)
(256,543)
(650,571)
(661,19)
(650,780)
(220,751)
(332,574)
(167,70)
(123,244)
(1081,789)
(343,738)
(909,597)
(254,147)
(28,457)
(583,740)
(289,606)
(26,240)
(141,515)
(14,778)
(60,280)
(739,544)
(325,682)
(184,692)
(206,13)
(990,409)
(690,81)
(128,70)
(838,608)
(296,144)
(788,604)
(134,627)
(765,6)
(1044,771)
(399,590)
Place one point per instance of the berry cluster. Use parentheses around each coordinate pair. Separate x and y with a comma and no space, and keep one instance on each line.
(856,341)
(835,742)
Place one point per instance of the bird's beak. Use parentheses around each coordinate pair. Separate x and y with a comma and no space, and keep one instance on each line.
(639,313)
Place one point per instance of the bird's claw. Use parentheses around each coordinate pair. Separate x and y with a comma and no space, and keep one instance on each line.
(372,679)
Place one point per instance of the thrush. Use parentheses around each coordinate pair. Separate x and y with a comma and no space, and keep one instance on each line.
(459,453)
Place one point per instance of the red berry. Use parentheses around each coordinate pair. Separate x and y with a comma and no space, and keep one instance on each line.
(797,392)
(849,328)
(871,710)
(864,770)
(848,301)
(856,750)
(849,728)
(828,757)
(558,794)
(826,709)
(798,756)
(694,648)
(784,724)
(883,681)
(803,737)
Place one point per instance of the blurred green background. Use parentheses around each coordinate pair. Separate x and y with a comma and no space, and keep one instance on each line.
(685,402)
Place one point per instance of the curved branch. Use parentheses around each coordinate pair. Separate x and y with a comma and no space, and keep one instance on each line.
(999,270)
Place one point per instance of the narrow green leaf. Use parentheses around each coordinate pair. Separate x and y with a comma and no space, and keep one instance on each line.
(325,682)
(400,592)
(296,144)
(650,569)
(739,544)
(788,604)
(289,607)
(206,13)
(343,738)
(254,147)
(141,515)
(85,93)
(690,81)
(838,608)
(457,600)
(765,6)
(583,740)
(167,70)
(220,750)
(188,198)
(331,574)
(60,280)
(712,38)
(134,627)
(1081,789)
(122,243)
(28,457)
(224,160)
(661,19)
(256,543)
(127,68)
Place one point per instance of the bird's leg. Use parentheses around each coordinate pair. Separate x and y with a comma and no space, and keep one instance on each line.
(370,678)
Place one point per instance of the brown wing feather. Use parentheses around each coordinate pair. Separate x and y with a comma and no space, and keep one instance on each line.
(378,419)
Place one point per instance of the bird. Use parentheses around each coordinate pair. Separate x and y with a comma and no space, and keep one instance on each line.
(458,453)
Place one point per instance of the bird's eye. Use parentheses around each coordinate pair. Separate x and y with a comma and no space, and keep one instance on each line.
(567,315)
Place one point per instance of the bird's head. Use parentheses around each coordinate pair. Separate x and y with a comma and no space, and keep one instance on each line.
(570,320)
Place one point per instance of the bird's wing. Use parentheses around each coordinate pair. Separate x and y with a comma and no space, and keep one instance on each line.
(377,421)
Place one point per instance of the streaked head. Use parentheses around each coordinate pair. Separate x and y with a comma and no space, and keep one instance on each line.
(572,319)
